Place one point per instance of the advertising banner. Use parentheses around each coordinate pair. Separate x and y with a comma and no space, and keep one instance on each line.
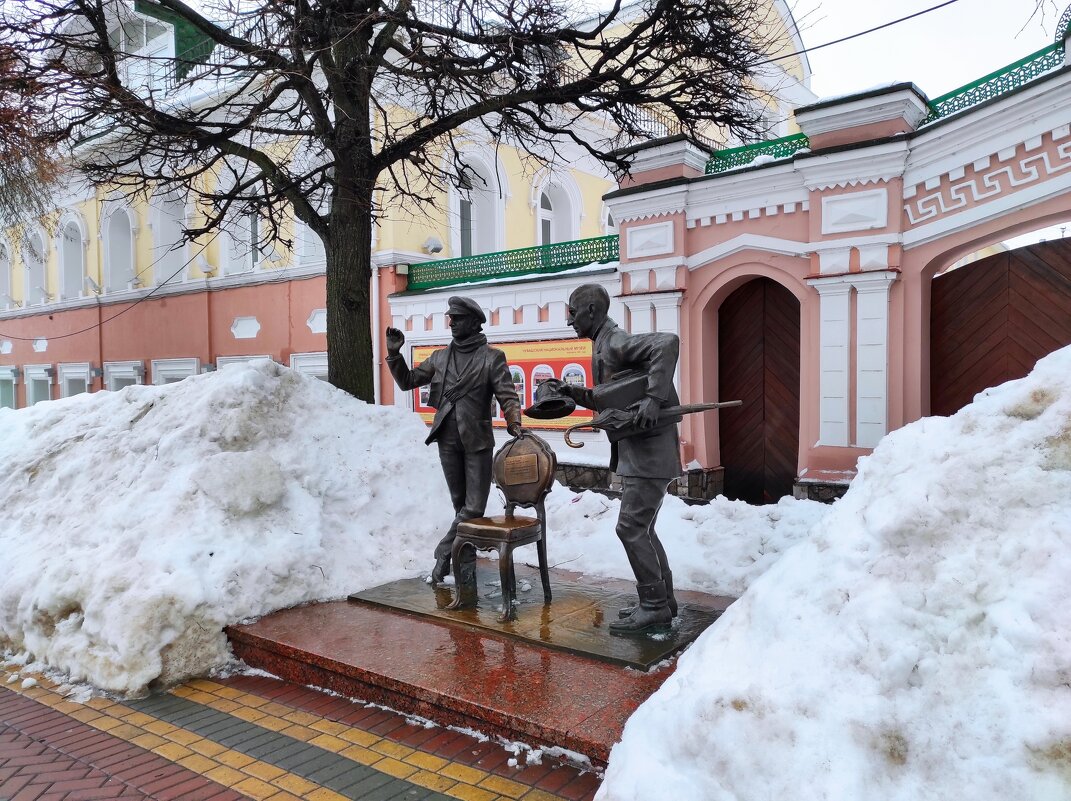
(530,364)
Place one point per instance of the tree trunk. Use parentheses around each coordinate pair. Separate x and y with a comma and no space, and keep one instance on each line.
(349,307)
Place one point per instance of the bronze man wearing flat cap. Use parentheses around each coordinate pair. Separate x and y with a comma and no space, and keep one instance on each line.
(463,377)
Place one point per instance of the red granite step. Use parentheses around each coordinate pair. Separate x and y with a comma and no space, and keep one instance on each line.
(450,674)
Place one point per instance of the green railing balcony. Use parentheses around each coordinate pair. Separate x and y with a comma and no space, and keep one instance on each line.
(541,260)
(786,146)
(997,83)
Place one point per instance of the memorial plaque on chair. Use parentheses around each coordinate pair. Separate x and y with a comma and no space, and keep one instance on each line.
(526,466)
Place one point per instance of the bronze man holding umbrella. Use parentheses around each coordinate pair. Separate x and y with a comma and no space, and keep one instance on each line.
(645,454)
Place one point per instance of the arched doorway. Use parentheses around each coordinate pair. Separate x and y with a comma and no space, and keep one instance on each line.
(759,363)
(991,320)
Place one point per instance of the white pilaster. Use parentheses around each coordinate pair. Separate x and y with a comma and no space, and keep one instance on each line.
(834,340)
(640,313)
(872,357)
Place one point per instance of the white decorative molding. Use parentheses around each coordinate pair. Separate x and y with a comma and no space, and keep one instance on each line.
(40,345)
(833,359)
(902,101)
(223,361)
(384,258)
(874,257)
(871,356)
(1001,205)
(119,374)
(639,280)
(1008,121)
(81,371)
(855,211)
(985,186)
(682,152)
(855,167)
(245,328)
(834,260)
(317,322)
(769,244)
(649,240)
(642,203)
(32,374)
(665,277)
(168,371)
(314,364)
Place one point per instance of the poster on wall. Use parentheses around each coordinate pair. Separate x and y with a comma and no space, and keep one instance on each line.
(530,364)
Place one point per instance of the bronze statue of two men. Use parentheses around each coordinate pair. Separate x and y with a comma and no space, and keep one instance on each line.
(646,456)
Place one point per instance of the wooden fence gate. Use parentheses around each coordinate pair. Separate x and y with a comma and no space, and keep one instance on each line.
(991,320)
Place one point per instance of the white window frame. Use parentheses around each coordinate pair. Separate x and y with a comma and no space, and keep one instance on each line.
(223,361)
(29,291)
(11,373)
(242,250)
(81,371)
(118,370)
(37,372)
(166,254)
(132,281)
(63,250)
(487,196)
(6,300)
(163,369)
(313,364)
(567,217)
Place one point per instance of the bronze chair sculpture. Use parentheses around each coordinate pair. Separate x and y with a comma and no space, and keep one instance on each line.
(524,471)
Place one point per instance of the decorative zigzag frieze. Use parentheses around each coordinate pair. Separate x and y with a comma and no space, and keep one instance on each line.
(986,185)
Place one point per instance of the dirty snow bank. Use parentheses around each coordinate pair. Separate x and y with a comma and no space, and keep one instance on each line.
(916,647)
(139,523)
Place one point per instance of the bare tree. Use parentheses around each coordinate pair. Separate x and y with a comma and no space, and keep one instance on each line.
(29,162)
(329,110)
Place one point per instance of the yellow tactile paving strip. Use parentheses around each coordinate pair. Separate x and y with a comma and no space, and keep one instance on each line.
(260,779)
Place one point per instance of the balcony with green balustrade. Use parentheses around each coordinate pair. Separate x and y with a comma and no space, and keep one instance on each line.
(526,262)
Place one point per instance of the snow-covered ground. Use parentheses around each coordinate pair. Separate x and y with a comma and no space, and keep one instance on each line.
(917,646)
(137,524)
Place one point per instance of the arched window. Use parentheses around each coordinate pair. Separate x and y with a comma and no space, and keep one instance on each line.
(119,271)
(243,246)
(169,251)
(555,215)
(33,257)
(6,301)
(72,260)
(479,210)
(546,219)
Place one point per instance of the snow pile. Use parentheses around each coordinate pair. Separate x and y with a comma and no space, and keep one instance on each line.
(717,548)
(138,523)
(918,646)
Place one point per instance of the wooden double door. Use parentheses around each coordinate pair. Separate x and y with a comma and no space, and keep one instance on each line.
(991,320)
(759,363)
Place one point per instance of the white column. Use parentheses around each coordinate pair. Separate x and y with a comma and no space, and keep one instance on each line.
(667,309)
(641,314)
(872,357)
(834,339)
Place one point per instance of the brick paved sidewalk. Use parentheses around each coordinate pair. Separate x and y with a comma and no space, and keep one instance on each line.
(251,737)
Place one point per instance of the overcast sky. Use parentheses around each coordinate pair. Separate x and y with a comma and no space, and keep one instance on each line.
(938,52)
